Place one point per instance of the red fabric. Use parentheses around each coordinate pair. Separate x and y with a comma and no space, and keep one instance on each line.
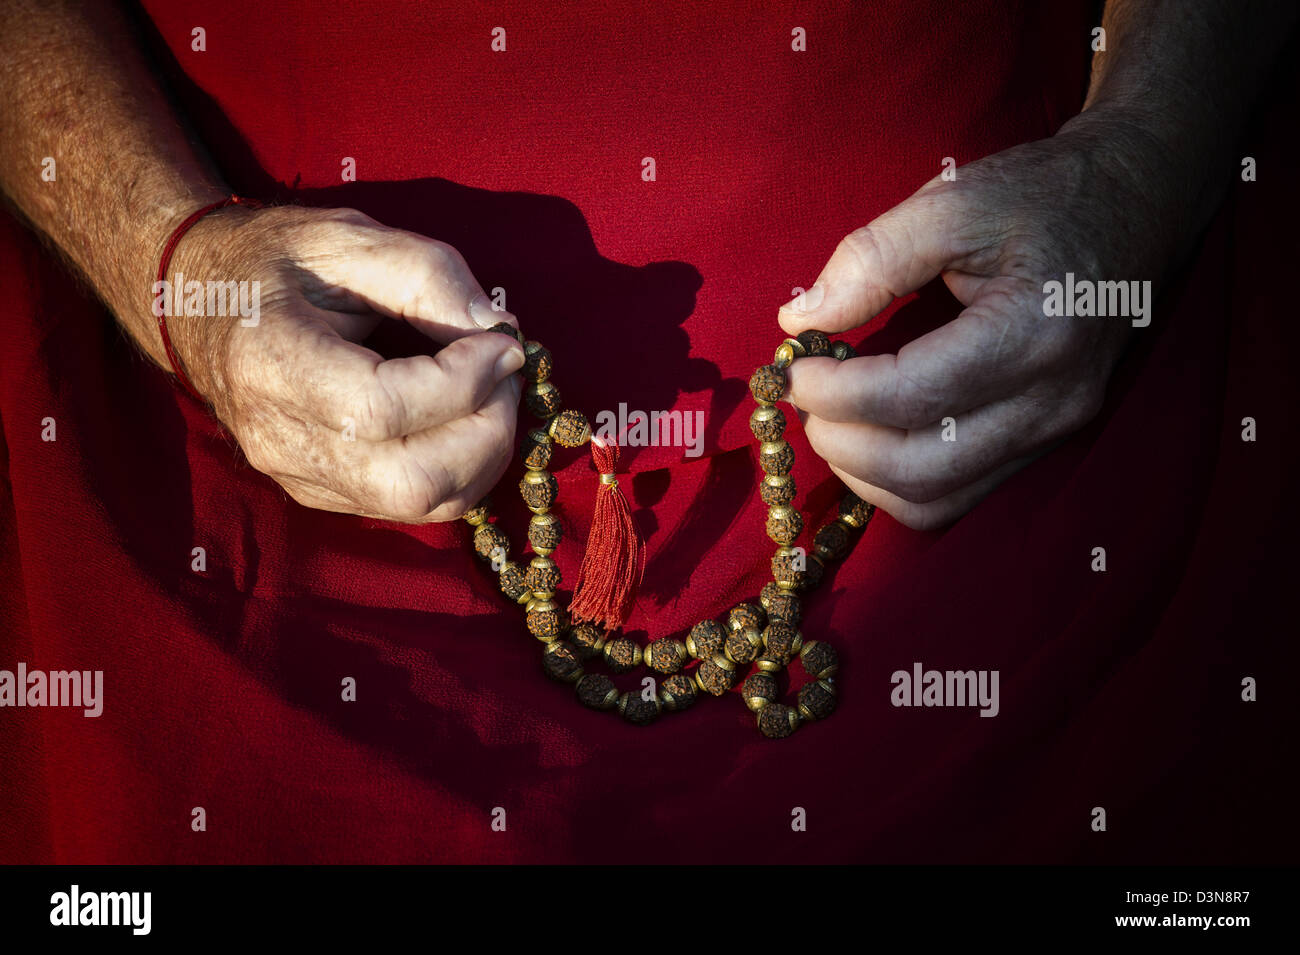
(222,688)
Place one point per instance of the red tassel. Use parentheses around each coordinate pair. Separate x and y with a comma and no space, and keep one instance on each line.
(615,559)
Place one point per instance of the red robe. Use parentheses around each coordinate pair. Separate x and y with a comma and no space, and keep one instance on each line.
(222,688)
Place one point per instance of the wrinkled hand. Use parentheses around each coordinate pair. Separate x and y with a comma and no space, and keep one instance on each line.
(1012,380)
(337,426)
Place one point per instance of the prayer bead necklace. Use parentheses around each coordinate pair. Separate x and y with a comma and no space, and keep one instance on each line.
(764,635)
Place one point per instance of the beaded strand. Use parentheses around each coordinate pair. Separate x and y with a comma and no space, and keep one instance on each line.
(765,634)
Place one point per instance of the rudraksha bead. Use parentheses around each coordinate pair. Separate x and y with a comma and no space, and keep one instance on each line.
(622,654)
(636,709)
(777,721)
(816,343)
(489,537)
(788,566)
(784,524)
(758,690)
(781,641)
(537,362)
(513,580)
(569,428)
(543,576)
(781,604)
(543,399)
(666,655)
(744,645)
(597,691)
(817,700)
(716,675)
(505,328)
(819,659)
(842,351)
(588,639)
(746,616)
(832,541)
(560,661)
(776,490)
(767,422)
(545,620)
(854,511)
(768,384)
(478,514)
(776,457)
(705,639)
(538,489)
(535,450)
(677,692)
(544,533)
(812,573)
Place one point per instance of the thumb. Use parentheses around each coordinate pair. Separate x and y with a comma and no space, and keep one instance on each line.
(895,254)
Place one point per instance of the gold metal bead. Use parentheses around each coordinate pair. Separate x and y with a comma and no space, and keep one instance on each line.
(842,351)
(784,357)
(478,514)
(796,347)
(768,665)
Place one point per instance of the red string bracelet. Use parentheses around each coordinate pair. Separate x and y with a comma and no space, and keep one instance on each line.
(168,249)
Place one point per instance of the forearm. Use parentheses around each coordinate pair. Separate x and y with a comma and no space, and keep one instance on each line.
(1180,76)
(75,88)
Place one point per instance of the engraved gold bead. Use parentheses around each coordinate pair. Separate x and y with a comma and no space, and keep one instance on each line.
(784,356)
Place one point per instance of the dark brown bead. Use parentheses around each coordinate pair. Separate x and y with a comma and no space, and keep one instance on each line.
(781,604)
(758,690)
(788,566)
(537,362)
(622,654)
(666,656)
(781,641)
(812,573)
(834,539)
(816,700)
(569,428)
(545,620)
(776,457)
(817,344)
(746,615)
(505,328)
(543,576)
(478,514)
(560,661)
(842,351)
(777,721)
(776,490)
(677,692)
(705,639)
(744,645)
(538,489)
(588,639)
(784,524)
(767,423)
(638,710)
(716,676)
(512,579)
(544,532)
(597,691)
(819,659)
(767,384)
(543,399)
(535,450)
(854,511)
(488,538)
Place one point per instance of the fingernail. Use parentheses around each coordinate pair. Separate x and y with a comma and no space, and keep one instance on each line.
(808,300)
(483,315)
(511,360)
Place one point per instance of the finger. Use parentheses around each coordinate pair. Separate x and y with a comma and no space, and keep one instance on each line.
(895,254)
(932,514)
(321,377)
(413,277)
(438,475)
(991,350)
(926,464)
